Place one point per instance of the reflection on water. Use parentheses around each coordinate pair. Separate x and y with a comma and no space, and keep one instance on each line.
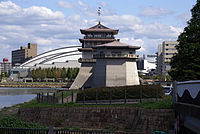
(12,96)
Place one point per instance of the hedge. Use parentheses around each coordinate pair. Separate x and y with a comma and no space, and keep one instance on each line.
(132,92)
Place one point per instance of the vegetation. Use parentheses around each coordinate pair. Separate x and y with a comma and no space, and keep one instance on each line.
(185,64)
(14,122)
(165,103)
(56,73)
(65,94)
(132,92)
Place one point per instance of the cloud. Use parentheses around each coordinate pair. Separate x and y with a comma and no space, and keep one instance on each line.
(52,29)
(152,11)
(184,17)
(86,10)
(65,4)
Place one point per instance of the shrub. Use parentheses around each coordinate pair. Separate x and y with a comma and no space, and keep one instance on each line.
(13,122)
(132,92)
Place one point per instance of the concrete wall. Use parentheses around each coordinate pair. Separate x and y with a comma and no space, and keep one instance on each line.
(99,73)
(115,72)
(111,118)
(131,73)
(84,77)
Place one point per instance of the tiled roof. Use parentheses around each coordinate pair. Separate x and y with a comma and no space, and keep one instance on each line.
(99,28)
(116,44)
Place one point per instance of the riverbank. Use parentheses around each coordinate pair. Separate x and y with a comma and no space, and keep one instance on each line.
(34,84)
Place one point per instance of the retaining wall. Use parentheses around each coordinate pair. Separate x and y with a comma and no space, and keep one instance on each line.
(111,118)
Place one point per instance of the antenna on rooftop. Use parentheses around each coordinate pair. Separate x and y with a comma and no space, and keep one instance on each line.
(99,14)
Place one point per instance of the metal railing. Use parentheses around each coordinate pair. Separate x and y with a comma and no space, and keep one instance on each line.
(55,131)
(98,56)
(125,97)
(81,60)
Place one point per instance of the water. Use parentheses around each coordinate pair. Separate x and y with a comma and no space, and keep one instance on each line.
(9,100)
(12,96)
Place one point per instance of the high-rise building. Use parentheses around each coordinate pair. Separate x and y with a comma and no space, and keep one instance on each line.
(23,54)
(165,52)
(5,66)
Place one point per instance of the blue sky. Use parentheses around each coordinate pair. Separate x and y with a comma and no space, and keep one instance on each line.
(56,23)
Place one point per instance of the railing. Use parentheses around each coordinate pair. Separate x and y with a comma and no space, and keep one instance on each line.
(125,98)
(81,60)
(99,56)
(53,98)
(23,131)
(55,131)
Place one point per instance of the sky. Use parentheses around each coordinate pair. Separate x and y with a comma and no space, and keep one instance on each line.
(57,23)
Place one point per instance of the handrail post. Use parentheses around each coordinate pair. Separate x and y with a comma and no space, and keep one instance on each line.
(62,97)
(125,96)
(110,96)
(72,96)
(96,96)
(156,94)
(50,130)
(83,97)
(140,94)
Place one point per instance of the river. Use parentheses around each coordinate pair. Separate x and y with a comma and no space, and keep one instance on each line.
(11,96)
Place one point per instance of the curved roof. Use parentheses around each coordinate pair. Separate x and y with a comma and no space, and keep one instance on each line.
(116,44)
(99,28)
(57,55)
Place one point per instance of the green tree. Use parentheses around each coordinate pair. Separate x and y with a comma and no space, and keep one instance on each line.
(63,73)
(186,63)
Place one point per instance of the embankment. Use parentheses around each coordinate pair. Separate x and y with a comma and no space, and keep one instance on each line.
(34,85)
(110,118)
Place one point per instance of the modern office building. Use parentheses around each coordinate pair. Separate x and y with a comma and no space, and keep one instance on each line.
(5,66)
(165,52)
(146,65)
(105,61)
(23,54)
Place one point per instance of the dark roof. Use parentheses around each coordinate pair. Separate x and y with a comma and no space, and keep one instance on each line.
(81,40)
(99,28)
(84,49)
(116,44)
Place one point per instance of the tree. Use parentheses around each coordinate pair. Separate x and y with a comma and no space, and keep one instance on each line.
(186,63)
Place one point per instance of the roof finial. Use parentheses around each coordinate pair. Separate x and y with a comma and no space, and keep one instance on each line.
(99,14)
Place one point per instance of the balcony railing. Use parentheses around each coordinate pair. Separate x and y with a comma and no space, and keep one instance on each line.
(131,56)
(81,60)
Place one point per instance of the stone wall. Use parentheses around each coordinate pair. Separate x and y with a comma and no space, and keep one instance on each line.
(110,118)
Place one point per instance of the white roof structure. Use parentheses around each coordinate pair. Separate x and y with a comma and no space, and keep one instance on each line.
(60,55)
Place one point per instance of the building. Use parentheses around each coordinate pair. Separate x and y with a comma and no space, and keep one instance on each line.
(165,52)
(146,64)
(5,66)
(115,65)
(96,35)
(23,54)
(91,45)
(62,57)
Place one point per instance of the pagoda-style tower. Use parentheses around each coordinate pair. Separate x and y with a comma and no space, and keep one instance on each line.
(96,35)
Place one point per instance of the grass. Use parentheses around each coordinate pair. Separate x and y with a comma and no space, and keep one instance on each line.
(166,103)
(65,94)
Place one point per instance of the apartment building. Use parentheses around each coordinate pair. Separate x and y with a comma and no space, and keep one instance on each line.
(166,51)
(23,54)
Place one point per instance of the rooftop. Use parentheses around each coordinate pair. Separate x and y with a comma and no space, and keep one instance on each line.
(99,28)
(116,44)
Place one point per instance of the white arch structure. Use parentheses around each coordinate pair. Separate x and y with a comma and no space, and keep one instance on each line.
(59,55)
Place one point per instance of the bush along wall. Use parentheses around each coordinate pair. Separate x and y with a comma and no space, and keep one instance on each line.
(130,92)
